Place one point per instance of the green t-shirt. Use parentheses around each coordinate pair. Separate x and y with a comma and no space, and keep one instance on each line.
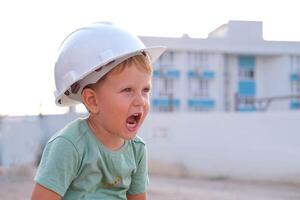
(77,166)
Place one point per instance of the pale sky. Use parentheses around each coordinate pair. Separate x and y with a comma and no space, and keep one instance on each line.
(31,32)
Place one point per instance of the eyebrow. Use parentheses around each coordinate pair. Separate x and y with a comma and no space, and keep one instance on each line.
(132,85)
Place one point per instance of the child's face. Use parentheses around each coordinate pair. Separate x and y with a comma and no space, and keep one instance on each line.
(123,102)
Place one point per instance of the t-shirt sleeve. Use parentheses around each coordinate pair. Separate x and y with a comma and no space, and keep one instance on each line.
(139,178)
(58,166)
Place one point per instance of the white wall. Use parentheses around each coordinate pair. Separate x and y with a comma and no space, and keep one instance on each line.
(273,79)
(218,82)
(233,79)
(259,146)
(21,138)
(181,89)
(245,30)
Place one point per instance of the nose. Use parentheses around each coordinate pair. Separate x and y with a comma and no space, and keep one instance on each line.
(140,100)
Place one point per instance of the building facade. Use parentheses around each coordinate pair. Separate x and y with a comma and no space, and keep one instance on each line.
(233,69)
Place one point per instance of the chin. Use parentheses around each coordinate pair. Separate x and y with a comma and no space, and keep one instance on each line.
(129,136)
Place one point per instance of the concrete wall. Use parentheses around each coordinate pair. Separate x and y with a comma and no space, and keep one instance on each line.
(22,138)
(259,146)
(232,63)
(216,85)
(273,79)
(19,139)
(218,82)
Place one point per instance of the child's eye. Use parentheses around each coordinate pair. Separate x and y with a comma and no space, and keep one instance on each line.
(127,90)
(146,90)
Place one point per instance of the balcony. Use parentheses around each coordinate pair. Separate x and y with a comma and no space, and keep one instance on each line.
(205,74)
(166,103)
(172,73)
(206,104)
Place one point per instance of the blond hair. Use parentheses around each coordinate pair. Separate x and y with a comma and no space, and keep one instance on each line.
(141,62)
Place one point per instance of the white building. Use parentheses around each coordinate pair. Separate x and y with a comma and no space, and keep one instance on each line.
(233,69)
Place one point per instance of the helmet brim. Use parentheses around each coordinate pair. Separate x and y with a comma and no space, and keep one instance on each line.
(153,52)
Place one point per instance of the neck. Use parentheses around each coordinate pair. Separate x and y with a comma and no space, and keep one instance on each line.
(109,140)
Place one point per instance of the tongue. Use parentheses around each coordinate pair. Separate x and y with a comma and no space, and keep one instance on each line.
(131,120)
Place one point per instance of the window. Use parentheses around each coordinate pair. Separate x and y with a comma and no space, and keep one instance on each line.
(246,82)
(295,63)
(198,65)
(246,104)
(198,88)
(166,88)
(296,87)
(246,74)
(295,82)
(198,60)
(165,80)
(295,72)
(199,80)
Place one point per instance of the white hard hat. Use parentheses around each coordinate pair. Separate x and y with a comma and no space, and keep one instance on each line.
(89,53)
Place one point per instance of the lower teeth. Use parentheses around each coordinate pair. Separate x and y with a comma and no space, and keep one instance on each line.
(131,125)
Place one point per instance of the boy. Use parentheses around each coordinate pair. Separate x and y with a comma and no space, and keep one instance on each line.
(100,157)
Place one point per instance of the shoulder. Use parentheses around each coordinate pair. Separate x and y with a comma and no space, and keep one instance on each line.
(138,147)
(138,144)
(139,141)
(73,133)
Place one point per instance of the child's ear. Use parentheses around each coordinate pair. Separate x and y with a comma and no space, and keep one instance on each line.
(89,99)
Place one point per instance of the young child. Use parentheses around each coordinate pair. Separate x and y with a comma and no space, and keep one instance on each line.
(100,157)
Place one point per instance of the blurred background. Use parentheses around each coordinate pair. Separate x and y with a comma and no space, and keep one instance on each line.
(225,105)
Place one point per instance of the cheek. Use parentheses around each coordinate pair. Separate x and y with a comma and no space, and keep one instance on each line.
(148,100)
(119,109)
(147,106)
(109,109)
(112,115)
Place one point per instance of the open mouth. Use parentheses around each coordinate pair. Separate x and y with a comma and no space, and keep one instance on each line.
(133,121)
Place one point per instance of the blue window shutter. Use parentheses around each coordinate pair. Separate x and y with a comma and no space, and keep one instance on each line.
(191,74)
(173,73)
(246,62)
(201,103)
(164,102)
(294,77)
(247,88)
(208,75)
(156,73)
(295,105)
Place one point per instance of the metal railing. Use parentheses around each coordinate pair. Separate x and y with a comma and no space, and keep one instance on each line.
(262,104)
